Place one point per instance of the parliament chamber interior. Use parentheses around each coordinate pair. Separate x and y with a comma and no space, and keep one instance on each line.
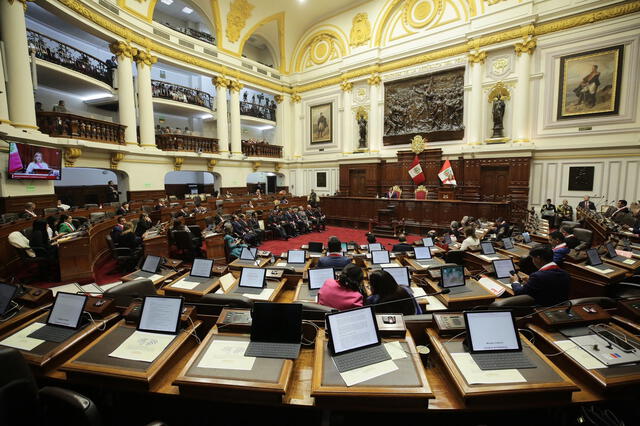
(325,213)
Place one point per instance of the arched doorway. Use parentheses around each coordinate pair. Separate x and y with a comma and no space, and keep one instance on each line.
(191,182)
(268,182)
(83,185)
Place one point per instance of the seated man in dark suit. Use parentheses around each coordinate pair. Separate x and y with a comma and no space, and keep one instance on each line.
(29,211)
(586,204)
(123,209)
(621,212)
(560,248)
(549,285)
(118,228)
(334,257)
(402,244)
(571,240)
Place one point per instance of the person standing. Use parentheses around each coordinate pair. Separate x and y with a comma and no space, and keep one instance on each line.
(112,191)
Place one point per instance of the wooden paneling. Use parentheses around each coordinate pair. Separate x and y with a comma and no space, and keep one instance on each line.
(81,195)
(16,204)
(146,195)
(372,178)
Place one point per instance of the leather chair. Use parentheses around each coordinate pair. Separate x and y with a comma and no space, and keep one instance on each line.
(627,289)
(521,305)
(603,302)
(51,210)
(10,217)
(315,311)
(212,303)
(585,236)
(569,225)
(187,244)
(126,292)
(126,259)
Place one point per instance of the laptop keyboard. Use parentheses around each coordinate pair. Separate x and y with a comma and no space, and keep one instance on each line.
(361,358)
(52,333)
(502,361)
(273,350)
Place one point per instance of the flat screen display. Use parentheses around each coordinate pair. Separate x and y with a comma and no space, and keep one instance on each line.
(487,248)
(492,332)
(34,162)
(379,256)
(401,275)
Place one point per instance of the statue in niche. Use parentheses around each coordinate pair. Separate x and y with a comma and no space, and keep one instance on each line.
(498,115)
(361,118)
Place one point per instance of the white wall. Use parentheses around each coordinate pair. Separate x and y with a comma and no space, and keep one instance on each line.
(80,176)
(75,105)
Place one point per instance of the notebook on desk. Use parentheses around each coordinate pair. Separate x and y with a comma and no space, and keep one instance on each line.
(296,257)
(315,247)
(64,318)
(317,278)
(248,256)
(201,272)
(427,242)
(354,340)
(374,246)
(380,259)
(276,330)
(452,278)
(7,292)
(613,255)
(526,238)
(252,281)
(400,275)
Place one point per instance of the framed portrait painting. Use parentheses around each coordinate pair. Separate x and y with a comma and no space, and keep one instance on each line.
(590,83)
(321,123)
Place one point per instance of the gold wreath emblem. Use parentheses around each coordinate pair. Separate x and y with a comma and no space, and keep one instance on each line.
(418,143)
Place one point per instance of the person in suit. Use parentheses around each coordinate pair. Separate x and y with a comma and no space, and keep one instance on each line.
(570,239)
(143,225)
(549,285)
(40,238)
(560,247)
(586,204)
(548,212)
(345,292)
(128,238)
(112,191)
(160,205)
(123,209)
(334,257)
(65,225)
(402,245)
(565,212)
(395,298)
(621,211)
(371,238)
(117,229)
(29,211)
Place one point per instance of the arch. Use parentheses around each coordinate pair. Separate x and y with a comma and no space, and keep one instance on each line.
(88,185)
(272,52)
(279,18)
(320,47)
(150,8)
(197,9)
(261,180)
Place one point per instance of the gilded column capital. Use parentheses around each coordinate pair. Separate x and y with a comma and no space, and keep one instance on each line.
(121,49)
(24,3)
(144,57)
(256,165)
(177,163)
(279,99)
(375,79)
(71,154)
(346,85)
(211,163)
(235,86)
(528,45)
(116,158)
(220,81)
(295,97)
(477,57)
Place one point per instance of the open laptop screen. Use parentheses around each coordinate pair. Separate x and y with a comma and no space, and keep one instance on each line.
(594,257)
(344,247)
(295,256)
(503,268)
(318,276)
(151,264)
(610,250)
(487,248)
(67,310)
(492,331)
(160,314)
(379,256)
(6,295)
(252,277)
(401,275)
(422,253)
(427,241)
(247,254)
(315,247)
(375,246)
(201,268)
(526,237)
(276,322)
(353,329)
(452,276)
(508,244)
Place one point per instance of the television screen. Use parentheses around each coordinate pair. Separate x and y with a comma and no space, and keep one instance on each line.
(34,162)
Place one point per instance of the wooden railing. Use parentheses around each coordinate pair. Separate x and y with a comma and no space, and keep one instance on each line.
(65,125)
(264,111)
(170,142)
(175,92)
(57,52)
(207,38)
(261,149)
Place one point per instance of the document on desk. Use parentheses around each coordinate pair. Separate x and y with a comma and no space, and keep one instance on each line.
(629,261)
(185,284)
(227,355)
(434,304)
(475,376)
(492,286)
(488,258)
(368,372)
(418,291)
(143,346)
(67,288)
(226,281)
(20,340)
(281,264)
(265,294)
(156,277)
(395,350)
(579,355)
(602,271)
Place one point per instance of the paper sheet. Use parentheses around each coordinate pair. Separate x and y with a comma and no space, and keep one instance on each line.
(388,265)
(227,355)
(579,355)
(143,346)
(106,287)
(281,264)
(263,295)
(20,340)
(434,304)
(185,284)
(368,372)
(474,375)
(489,258)
(219,291)
(629,261)
(492,286)
(226,281)
(156,277)
(418,292)
(395,350)
(602,271)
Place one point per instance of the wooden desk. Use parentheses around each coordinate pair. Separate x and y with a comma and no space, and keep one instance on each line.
(517,252)
(301,293)
(419,269)
(478,296)
(156,245)
(545,384)
(203,287)
(587,281)
(276,286)
(631,264)
(214,244)
(23,315)
(157,279)
(475,260)
(238,264)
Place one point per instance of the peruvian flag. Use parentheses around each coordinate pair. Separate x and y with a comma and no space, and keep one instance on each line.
(415,171)
(446,174)
(15,162)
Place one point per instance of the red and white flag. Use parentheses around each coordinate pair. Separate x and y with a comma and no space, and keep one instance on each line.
(446,174)
(415,171)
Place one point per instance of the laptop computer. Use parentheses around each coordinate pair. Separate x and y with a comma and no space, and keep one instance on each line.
(64,318)
(595,260)
(315,247)
(526,238)
(427,242)
(252,281)
(423,256)
(201,270)
(248,256)
(452,278)
(150,267)
(504,268)
(374,246)
(354,340)
(296,257)
(493,341)
(507,244)
(488,250)
(160,314)
(380,258)
(611,251)
(7,292)
(317,278)
(276,330)
(401,275)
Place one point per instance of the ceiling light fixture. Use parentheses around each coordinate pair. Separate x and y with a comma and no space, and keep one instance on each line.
(187,10)
(167,2)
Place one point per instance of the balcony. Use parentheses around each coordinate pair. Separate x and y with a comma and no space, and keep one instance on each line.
(198,35)
(261,149)
(266,111)
(58,53)
(175,142)
(186,95)
(64,125)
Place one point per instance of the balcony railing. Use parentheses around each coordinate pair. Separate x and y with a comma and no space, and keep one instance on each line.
(62,54)
(261,149)
(65,125)
(202,36)
(171,142)
(266,111)
(178,93)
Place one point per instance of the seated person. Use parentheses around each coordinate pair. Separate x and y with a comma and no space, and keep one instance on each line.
(392,297)
(118,228)
(128,238)
(123,209)
(569,238)
(40,238)
(65,224)
(334,257)
(549,285)
(565,212)
(273,223)
(62,207)
(143,225)
(234,245)
(160,205)
(470,241)
(345,292)
(621,212)
(29,211)
(371,238)
(454,229)
(548,212)
(52,229)
(586,204)
(402,245)
(560,248)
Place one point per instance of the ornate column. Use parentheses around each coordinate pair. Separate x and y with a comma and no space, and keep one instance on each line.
(280,121)
(348,145)
(375,117)
(476,61)
(144,60)
(222,121)
(4,108)
(297,140)
(521,129)
(20,92)
(234,115)
(126,95)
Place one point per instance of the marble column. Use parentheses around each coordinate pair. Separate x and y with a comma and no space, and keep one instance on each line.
(234,116)
(20,98)
(375,116)
(222,121)
(126,94)
(281,125)
(298,140)
(476,61)
(521,126)
(4,107)
(144,60)
(349,143)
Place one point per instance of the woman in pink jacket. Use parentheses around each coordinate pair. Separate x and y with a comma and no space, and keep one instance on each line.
(345,292)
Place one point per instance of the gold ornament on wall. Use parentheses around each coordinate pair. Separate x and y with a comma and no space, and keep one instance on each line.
(418,144)
(278,98)
(116,157)
(295,97)
(362,112)
(498,89)
(375,79)
(322,49)
(144,57)
(211,163)
(256,165)
(121,48)
(527,46)
(237,18)
(360,30)
(220,81)
(420,13)
(177,163)
(235,86)
(277,167)
(71,154)
(346,85)
(478,57)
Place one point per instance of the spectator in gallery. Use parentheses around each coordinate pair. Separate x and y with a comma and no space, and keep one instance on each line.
(62,207)
(60,107)
(39,107)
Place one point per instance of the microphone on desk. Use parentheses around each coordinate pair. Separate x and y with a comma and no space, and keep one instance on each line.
(443,291)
